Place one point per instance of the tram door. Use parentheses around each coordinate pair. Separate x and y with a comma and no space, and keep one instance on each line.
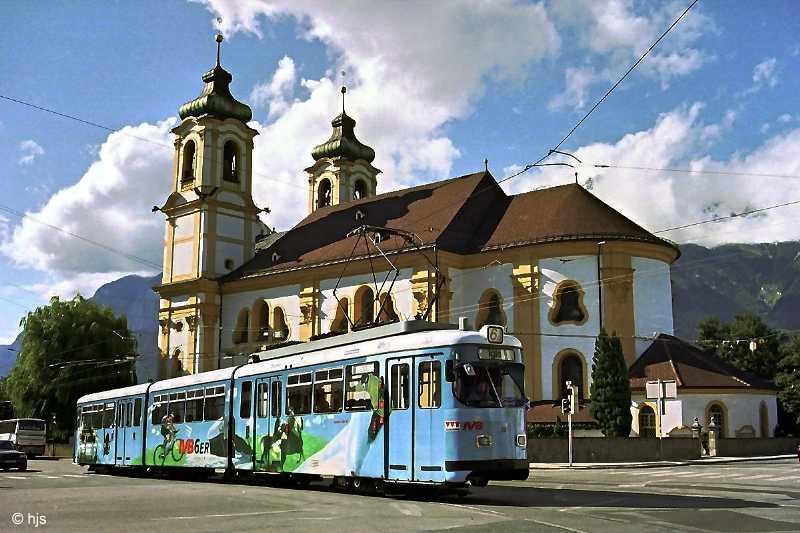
(125,433)
(400,423)
(266,437)
(428,426)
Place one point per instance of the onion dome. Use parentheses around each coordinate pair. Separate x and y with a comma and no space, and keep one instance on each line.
(216,99)
(343,142)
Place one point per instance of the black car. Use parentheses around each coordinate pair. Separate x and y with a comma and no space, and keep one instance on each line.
(11,458)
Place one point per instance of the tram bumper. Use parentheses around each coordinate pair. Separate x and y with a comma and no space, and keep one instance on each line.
(481,471)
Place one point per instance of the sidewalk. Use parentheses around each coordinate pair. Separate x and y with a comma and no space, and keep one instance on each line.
(657,464)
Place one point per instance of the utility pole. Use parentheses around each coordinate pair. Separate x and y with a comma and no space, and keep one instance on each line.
(568,405)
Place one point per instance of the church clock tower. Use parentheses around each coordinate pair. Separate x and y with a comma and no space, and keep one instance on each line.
(212,222)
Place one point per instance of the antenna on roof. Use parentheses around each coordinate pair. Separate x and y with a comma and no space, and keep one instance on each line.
(219,39)
(344,89)
(486,164)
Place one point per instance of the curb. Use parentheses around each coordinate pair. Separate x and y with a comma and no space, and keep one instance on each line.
(657,464)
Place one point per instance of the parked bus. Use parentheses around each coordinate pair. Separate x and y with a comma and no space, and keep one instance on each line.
(27,434)
(409,402)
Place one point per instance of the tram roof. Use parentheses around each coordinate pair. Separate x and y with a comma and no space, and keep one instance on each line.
(133,390)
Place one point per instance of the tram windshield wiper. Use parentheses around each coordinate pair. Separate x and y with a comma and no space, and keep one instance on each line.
(494,388)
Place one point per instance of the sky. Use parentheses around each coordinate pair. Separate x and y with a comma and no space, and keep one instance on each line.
(435,87)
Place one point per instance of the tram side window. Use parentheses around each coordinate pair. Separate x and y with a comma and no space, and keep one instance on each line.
(177,406)
(276,398)
(328,390)
(298,394)
(400,386)
(263,399)
(128,414)
(137,412)
(214,407)
(430,393)
(159,408)
(194,405)
(108,416)
(363,384)
(245,404)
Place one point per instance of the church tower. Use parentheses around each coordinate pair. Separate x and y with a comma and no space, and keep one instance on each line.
(212,222)
(343,169)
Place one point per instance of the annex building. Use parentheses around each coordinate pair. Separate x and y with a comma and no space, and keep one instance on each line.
(553,266)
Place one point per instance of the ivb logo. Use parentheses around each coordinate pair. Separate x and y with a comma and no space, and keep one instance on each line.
(457,425)
(452,425)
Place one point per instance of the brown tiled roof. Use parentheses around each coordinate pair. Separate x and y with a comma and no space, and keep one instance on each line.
(463,215)
(672,358)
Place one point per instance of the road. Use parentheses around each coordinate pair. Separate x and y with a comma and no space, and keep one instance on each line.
(752,496)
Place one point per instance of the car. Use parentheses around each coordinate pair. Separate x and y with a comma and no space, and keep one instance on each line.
(10,457)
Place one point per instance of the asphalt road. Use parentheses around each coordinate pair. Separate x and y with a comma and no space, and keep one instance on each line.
(753,496)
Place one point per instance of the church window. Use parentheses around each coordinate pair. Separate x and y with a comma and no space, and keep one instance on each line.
(229,264)
(387,313)
(189,161)
(359,190)
(568,305)
(647,422)
(763,419)
(570,368)
(261,318)
(490,310)
(279,326)
(365,306)
(230,162)
(242,327)
(340,323)
(324,193)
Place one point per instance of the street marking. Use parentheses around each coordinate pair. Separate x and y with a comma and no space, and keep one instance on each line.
(257,513)
(473,509)
(51,477)
(785,478)
(74,475)
(16,477)
(548,524)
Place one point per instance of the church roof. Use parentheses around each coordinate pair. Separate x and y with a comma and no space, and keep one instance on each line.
(343,142)
(463,215)
(671,358)
(216,99)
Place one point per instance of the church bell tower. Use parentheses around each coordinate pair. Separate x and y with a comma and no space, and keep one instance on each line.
(212,222)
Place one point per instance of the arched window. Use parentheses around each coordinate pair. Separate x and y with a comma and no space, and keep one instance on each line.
(387,312)
(261,320)
(647,422)
(763,419)
(490,310)
(230,162)
(324,193)
(716,412)
(365,306)
(242,327)
(279,327)
(359,190)
(570,368)
(568,305)
(340,323)
(189,161)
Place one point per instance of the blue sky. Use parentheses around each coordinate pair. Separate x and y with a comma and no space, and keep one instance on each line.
(435,88)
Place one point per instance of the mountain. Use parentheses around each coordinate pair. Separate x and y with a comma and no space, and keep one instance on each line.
(733,279)
(133,297)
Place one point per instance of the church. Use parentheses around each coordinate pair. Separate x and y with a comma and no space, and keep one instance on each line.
(553,266)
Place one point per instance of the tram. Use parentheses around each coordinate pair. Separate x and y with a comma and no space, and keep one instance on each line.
(408,402)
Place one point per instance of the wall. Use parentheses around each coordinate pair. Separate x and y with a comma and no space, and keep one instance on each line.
(286,297)
(652,299)
(469,285)
(612,450)
(742,409)
(756,447)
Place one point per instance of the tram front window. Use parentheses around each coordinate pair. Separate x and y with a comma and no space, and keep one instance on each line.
(489,384)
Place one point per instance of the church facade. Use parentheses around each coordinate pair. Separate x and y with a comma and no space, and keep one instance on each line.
(553,266)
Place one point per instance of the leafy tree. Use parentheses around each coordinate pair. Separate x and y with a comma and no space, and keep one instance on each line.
(732,343)
(70,348)
(611,390)
(788,380)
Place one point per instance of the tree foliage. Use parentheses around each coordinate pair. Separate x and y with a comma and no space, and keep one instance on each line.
(788,380)
(70,348)
(732,343)
(611,391)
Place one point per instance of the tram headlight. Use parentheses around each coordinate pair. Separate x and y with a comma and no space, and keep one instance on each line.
(522,440)
(483,441)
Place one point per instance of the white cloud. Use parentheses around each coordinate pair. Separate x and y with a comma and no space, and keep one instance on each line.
(85,283)
(659,200)
(275,93)
(109,204)
(29,150)
(764,73)
(785,118)
(616,32)
(412,68)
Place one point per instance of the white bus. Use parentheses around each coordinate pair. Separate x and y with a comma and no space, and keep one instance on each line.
(27,434)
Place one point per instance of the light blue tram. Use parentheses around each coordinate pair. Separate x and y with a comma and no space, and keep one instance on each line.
(411,402)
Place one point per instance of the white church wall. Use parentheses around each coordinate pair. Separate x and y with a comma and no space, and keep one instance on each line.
(230,226)
(672,417)
(184,227)
(652,300)
(285,297)
(229,197)
(555,338)
(468,286)
(347,287)
(182,258)
(742,409)
(225,251)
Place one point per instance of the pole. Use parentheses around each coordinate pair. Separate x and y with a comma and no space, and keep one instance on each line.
(661,412)
(569,423)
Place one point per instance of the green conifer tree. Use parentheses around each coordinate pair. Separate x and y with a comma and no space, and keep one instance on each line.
(611,391)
